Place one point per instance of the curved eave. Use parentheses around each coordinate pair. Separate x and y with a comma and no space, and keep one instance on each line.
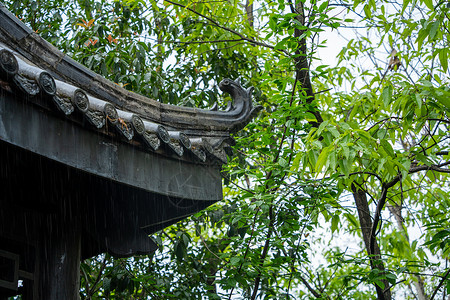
(196,121)
(20,76)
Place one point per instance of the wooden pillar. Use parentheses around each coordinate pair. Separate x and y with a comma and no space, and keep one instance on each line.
(58,262)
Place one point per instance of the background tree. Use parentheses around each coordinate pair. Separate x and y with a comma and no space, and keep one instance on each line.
(337,190)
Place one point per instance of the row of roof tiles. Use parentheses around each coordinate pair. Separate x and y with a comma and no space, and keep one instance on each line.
(36,68)
(22,76)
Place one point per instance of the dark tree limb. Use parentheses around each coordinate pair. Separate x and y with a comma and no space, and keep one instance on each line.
(387,186)
(310,288)
(249,11)
(302,65)
(376,219)
(369,229)
(365,221)
(90,291)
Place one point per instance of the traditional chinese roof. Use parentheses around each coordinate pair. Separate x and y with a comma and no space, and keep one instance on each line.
(32,66)
(116,164)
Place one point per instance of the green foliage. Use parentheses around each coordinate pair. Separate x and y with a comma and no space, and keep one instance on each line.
(288,227)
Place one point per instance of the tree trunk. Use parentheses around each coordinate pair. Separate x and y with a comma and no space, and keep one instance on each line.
(396,210)
(301,61)
(249,11)
(365,221)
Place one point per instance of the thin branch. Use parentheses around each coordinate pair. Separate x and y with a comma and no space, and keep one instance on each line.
(441,120)
(440,284)
(442,153)
(302,279)
(236,185)
(215,23)
(322,91)
(384,190)
(309,287)
(207,248)
(99,275)
(376,218)
(168,236)
(364,172)
(271,213)
(204,42)
(247,249)
(131,274)
(265,251)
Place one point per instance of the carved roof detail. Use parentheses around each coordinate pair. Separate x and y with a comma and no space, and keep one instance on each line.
(47,77)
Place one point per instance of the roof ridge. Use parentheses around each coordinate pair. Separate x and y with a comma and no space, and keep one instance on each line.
(33,66)
(39,85)
(33,47)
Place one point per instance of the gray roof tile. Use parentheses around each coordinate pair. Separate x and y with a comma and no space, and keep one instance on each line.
(32,66)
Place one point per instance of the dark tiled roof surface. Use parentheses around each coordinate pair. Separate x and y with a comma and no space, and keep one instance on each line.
(45,76)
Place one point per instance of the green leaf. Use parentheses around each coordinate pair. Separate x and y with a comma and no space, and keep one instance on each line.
(334,223)
(345,165)
(392,278)
(387,147)
(332,160)
(405,5)
(296,162)
(283,162)
(433,30)
(323,6)
(443,58)
(107,284)
(235,261)
(424,159)
(352,219)
(418,100)
(322,158)
(429,4)
(387,95)
(379,283)
(441,234)
(334,131)
(368,11)
(180,251)
(345,150)
(444,100)
(322,126)
(405,166)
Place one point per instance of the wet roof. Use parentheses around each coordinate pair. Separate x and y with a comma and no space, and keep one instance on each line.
(77,145)
(32,67)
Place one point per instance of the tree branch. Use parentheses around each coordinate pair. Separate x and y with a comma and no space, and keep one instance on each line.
(99,275)
(384,190)
(440,284)
(215,23)
(265,251)
(383,197)
(205,42)
(309,287)
(247,248)
(366,224)
(301,61)
(376,218)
